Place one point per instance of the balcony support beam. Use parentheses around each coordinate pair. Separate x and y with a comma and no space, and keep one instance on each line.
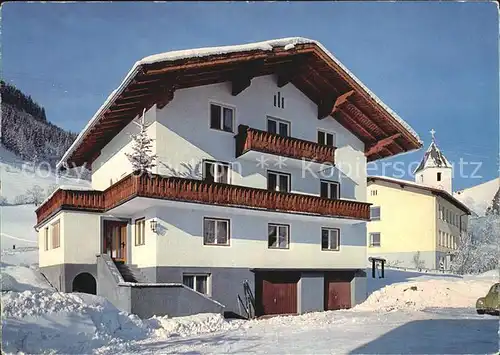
(329,105)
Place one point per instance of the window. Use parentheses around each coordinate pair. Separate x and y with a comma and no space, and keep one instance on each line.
(330,239)
(373,192)
(140,231)
(278,181)
(277,126)
(198,283)
(421,178)
(438,176)
(375,213)
(215,231)
(329,189)
(56,236)
(216,172)
(46,238)
(221,118)
(326,138)
(278,236)
(374,239)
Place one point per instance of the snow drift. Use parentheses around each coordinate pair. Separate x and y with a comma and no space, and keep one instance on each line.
(430,293)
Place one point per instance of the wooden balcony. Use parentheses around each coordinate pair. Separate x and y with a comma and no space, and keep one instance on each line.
(249,139)
(197,191)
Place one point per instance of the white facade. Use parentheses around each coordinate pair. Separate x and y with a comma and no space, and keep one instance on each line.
(437,177)
(182,140)
(179,238)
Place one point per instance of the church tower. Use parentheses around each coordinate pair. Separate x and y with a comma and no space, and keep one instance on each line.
(435,170)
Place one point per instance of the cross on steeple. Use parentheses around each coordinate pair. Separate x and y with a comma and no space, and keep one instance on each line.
(432,131)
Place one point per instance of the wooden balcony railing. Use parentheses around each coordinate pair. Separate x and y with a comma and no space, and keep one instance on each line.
(188,190)
(249,139)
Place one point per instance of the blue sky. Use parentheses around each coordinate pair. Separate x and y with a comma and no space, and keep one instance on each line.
(434,63)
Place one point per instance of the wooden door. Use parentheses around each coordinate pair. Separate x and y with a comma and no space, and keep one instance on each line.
(278,293)
(115,240)
(338,290)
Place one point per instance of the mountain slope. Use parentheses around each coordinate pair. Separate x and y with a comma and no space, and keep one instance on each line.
(479,197)
(25,131)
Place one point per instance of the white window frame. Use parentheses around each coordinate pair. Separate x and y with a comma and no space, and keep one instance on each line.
(330,230)
(194,276)
(278,227)
(278,121)
(278,174)
(217,220)
(330,183)
(216,171)
(326,132)
(372,245)
(46,238)
(222,106)
(379,213)
(140,238)
(52,228)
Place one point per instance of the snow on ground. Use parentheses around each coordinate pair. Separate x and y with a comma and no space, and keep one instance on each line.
(439,319)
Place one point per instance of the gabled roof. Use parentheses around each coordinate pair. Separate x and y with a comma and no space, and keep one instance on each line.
(303,62)
(433,158)
(439,192)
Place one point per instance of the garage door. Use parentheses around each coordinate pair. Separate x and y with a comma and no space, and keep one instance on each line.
(277,293)
(338,290)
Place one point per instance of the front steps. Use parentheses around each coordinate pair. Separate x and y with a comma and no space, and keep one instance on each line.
(130,272)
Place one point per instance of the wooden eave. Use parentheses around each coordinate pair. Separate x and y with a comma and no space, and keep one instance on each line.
(314,73)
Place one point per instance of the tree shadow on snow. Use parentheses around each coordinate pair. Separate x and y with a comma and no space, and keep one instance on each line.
(437,336)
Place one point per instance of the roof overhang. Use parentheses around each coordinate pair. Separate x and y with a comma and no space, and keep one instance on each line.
(304,63)
(438,192)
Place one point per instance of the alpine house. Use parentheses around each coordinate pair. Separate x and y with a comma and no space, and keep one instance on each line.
(257,203)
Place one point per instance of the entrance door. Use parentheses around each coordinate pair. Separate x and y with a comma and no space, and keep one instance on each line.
(115,240)
(338,290)
(277,293)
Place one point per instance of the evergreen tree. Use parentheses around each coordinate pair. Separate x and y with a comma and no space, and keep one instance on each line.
(494,209)
(142,157)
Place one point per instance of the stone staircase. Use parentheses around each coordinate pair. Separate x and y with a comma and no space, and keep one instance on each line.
(130,272)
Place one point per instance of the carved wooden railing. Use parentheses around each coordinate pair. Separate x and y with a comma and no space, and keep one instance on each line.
(188,190)
(261,141)
(88,200)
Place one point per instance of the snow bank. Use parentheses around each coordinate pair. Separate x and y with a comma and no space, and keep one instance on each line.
(48,321)
(192,325)
(431,293)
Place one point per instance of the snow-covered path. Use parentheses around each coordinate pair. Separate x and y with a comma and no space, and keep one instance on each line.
(442,331)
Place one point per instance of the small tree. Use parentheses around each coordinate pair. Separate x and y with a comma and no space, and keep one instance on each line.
(142,157)
(3,201)
(419,264)
(35,195)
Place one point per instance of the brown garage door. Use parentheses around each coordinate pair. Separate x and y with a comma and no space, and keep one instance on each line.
(338,290)
(276,293)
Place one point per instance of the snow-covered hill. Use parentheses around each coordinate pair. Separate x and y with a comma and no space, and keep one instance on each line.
(479,197)
(17,176)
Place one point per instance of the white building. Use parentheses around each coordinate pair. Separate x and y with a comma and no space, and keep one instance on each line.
(260,178)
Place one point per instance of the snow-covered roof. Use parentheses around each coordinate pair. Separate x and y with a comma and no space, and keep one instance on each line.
(433,158)
(287,43)
(417,185)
